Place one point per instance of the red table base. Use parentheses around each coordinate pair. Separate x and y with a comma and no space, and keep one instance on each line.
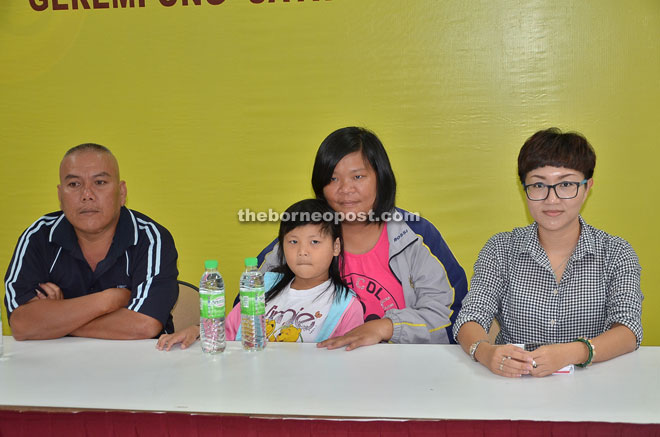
(127,424)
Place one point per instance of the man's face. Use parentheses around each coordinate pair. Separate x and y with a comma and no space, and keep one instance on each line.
(90,192)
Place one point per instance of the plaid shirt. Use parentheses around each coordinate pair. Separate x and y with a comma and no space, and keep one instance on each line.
(514,283)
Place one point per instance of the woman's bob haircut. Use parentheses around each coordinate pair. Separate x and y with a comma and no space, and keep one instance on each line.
(345,141)
(557,149)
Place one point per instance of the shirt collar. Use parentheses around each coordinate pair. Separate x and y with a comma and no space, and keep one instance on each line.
(64,235)
(585,244)
(531,244)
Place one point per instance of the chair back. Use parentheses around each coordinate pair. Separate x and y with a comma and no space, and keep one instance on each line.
(186,308)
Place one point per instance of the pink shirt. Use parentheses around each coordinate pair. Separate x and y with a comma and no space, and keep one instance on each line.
(369,275)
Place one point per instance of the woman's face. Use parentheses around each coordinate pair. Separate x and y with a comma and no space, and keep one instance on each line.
(553,213)
(352,187)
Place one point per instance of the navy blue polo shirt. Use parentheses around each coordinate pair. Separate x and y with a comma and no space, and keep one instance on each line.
(142,258)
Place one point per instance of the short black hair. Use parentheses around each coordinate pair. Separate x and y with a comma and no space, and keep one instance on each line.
(557,149)
(356,139)
(87,147)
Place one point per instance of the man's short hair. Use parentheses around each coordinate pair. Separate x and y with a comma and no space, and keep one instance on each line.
(557,149)
(88,147)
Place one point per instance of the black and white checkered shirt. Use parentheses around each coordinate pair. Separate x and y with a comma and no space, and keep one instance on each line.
(514,283)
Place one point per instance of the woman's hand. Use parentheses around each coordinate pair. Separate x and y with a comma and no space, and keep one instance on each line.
(186,337)
(552,357)
(372,332)
(506,360)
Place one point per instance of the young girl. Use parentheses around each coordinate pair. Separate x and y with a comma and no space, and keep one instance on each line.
(306,298)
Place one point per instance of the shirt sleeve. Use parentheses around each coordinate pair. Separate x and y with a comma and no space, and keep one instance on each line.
(268,257)
(28,267)
(624,294)
(482,302)
(153,273)
(232,323)
(352,318)
(439,284)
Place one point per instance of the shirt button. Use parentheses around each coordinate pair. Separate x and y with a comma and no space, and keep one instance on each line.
(552,322)
(555,291)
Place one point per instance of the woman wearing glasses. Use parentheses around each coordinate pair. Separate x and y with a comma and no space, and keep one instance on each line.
(558,282)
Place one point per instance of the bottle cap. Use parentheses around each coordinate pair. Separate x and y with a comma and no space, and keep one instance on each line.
(250,262)
(211,264)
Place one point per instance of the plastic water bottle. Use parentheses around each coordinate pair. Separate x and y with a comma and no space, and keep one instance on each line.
(212,309)
(253,307)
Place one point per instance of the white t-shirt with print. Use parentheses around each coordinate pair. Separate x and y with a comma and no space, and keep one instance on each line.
(298,315)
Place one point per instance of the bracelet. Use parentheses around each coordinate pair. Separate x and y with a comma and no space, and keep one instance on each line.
(592,351)
(473,349)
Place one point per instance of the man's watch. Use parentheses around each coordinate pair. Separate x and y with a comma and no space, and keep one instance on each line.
(473,348)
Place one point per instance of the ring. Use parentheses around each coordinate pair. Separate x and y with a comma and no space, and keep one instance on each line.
(503,358)
(501,367)
(534,365)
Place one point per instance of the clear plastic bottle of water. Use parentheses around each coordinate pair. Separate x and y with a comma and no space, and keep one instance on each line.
(212,309)
(253,307)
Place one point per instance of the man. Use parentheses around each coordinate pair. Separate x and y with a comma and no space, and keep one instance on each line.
(94,269)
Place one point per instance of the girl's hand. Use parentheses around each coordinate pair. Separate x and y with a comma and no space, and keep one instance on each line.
(372,332)
(186,337)
(507,360)
(552,357)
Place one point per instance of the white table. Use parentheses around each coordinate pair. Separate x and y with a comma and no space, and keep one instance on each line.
(292,380)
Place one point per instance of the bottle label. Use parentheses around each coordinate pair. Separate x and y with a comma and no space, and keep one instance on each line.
(211,306)
(253,302)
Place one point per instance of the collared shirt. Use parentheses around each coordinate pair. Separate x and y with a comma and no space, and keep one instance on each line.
(514,283)
(142,258)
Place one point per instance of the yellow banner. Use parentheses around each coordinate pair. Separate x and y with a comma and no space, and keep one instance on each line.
(213,107)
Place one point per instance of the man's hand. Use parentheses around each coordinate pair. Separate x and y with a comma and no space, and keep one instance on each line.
(372,332)
(116,298)
(50,291)
(49,315)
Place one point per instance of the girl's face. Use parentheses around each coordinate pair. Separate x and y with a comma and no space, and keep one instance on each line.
(353,186)
(309,252)
(553,213)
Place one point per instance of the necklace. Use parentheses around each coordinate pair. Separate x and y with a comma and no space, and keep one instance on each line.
(560,265)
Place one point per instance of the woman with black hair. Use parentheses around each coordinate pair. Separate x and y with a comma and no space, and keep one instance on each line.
(564,289)
(408,281)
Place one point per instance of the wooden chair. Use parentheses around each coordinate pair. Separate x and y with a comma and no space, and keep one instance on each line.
(186,308)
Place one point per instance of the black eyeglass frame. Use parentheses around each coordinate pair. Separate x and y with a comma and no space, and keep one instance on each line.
(554,187)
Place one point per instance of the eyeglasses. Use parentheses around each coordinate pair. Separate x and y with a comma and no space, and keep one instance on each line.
(563,190)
